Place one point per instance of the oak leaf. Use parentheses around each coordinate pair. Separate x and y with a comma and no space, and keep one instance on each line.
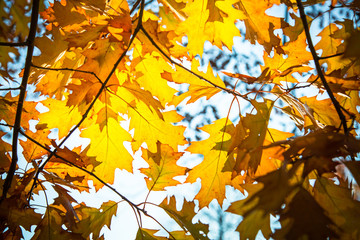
(185,218)
(108,147)
(303,216)
(162,167)
(210,170)
(92,220)
(339,205)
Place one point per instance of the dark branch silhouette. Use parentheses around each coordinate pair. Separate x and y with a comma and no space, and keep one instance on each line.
(17,124)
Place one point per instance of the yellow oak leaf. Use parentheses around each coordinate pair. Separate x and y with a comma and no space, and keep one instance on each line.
(83,93)
(31,150)
(149,69)
(248,137)
(209,25)
(293,32)
(49,54)
(148,234)
(198,87)
(257,22)
(19,13)
(5,159)
(253,221)
(150,128)
(64,119)
(50,225)
(8,107)
(162,167)
(210,170)
(272,158)
(101,57)
(108,147)
(332,42)
(61,172)
(350,103)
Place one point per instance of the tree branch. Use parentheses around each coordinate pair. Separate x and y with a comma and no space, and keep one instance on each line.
(6,125)
(331,56)
(8,44)
(30,50)
(318,68)
(68,69)
(10,89)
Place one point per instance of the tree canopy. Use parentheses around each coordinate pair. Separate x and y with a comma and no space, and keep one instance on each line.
(118,74)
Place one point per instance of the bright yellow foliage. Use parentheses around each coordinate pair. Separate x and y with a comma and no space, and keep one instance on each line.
(106,81)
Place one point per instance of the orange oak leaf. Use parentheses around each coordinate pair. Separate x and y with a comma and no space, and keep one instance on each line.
(249,135)
(31,150)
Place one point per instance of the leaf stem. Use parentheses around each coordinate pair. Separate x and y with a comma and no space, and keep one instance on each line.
(17,125)
(318,68)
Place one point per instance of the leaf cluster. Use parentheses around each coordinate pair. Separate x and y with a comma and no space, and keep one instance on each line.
(112,73)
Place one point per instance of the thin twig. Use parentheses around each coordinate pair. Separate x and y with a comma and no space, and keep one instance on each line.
(103,86)
(68,69)
(318,68)
(6,125)
(30,50)
(135,6)
(9,44)
(330,56)
(10,89)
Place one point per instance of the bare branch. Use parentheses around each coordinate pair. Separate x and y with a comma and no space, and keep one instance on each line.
(318,68)
(6,125)
(16,129)
(10,89)
(68,69)
(331,56)
(9,44)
